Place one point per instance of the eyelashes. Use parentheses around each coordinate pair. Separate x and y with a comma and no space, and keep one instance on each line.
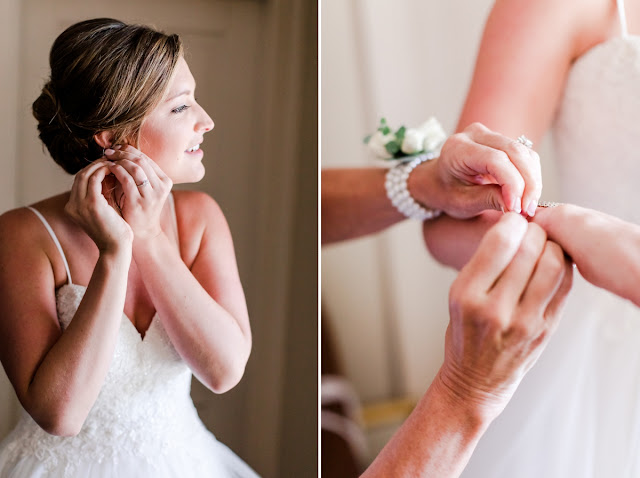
(180,109)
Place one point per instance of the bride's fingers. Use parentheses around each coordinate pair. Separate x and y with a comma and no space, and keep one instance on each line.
(137,172)
(136,163)
(126,180)
(95,181)
(80,182)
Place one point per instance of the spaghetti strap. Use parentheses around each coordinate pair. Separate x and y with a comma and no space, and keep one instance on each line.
(623,18)
(55,240)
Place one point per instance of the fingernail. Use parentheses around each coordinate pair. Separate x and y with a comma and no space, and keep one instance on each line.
(109,151)
(531,208)
(117,146)
(515,205)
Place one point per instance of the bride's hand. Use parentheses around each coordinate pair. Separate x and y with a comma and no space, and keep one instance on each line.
(90,209)
(145,189)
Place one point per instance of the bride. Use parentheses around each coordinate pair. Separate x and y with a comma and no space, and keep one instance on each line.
(114,293)
(572,67)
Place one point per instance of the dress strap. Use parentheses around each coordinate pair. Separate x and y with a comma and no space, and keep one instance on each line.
(172,205)
(55,240)
(623,18)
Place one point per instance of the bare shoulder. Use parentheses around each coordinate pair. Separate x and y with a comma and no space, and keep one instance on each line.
(579,24)
(198,214)
(25,241)
(18,228)
(196,209)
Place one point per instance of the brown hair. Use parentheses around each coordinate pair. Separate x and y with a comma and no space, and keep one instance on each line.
(106,75)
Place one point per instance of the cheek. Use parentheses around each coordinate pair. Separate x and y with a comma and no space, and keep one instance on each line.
(154,145)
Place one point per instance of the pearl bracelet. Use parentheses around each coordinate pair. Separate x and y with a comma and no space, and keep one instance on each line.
(398,193)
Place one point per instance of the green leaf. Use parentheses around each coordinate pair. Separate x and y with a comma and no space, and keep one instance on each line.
(400,133)
(392,147)
(384,129)
(367,138)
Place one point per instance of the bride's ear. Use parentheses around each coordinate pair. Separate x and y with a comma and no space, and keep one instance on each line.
(104,139)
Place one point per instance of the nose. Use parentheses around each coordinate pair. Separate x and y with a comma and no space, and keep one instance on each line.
(205,123)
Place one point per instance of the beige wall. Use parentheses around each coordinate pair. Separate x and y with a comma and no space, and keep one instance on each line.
(9,34)
(405,60)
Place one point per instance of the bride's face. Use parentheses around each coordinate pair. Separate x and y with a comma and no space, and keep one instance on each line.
(171,135)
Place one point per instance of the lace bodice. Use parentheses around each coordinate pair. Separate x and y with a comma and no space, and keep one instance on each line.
(597,129)
(576,412)
(144,407)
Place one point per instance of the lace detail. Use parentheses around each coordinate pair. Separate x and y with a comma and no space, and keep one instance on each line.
(143,414)
(596,130)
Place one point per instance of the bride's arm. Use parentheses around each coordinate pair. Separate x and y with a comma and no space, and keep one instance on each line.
(605,249)
(201,305)
(525,54)
(452,242)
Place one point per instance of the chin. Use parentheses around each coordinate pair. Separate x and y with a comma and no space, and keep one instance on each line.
(194,177)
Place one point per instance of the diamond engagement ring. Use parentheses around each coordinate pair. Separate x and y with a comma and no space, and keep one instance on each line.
(143,183)
(526,141)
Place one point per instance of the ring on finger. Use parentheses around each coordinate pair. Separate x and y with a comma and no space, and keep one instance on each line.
(143,183)
(526,141)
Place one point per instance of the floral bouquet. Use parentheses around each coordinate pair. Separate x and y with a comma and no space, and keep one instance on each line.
(406,143)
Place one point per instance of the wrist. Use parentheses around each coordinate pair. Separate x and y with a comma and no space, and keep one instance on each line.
(478,409)
(118,256)
(118,251)
(397,185)
(424,187)
(149,245)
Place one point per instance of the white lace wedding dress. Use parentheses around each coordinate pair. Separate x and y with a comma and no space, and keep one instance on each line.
(142,425)
(577,412)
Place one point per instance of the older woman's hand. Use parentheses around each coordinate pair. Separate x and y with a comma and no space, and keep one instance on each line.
(479,169)
(145,187)
(504,305)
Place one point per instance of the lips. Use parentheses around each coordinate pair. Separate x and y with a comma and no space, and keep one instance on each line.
(193,149)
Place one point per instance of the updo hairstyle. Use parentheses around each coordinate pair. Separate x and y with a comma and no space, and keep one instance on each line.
(106,75)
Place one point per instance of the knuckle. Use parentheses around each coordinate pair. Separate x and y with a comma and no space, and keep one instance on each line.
(534,156)
(515,148)
(491,317)
(476,127)
(493,202)
(455,140)
(523,329)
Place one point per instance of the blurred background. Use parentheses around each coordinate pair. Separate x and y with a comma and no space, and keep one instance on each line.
(255,64)
(384,300)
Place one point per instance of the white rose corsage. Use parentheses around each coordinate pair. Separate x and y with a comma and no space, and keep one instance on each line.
(410,147)
(405,143)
